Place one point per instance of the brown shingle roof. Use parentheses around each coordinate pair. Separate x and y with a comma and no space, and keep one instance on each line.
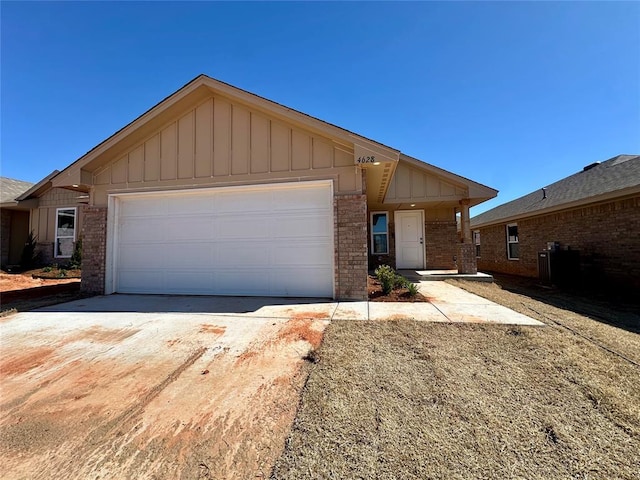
(616,174)
(10,189)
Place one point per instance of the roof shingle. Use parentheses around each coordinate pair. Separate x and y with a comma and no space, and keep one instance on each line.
(617,173)
(10,189)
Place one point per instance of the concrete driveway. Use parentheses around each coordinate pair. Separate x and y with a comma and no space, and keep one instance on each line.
(144,386)
(152,387)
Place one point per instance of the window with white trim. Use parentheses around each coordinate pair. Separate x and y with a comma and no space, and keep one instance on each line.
(379,233)
(513,247)
(65,232)
(476,241)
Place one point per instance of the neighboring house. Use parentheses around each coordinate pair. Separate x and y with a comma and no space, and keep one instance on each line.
(219,191)
(15,220)
(595,212)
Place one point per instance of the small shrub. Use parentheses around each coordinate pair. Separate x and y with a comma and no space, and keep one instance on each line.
(47,269)
(76,258)
(28,257)
(412,288)
(62,273)
(401,282)
(387,278)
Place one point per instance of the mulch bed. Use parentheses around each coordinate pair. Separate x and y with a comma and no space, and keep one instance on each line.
(55,273)
(397,295)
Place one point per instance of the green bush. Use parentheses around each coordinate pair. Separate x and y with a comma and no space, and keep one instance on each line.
(28,257)
(387,278)
(47,269)
(412,288)
(76,259)
(390,280)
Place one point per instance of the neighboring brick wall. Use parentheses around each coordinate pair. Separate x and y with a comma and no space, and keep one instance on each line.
(605,234)
(94,243)
(467,258)
(350,227)
(5,235)
(441,239)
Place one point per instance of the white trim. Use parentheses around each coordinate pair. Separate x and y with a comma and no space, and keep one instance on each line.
(424,247)
(380,212)
(512,242)
(75,231)
(476,241)
(111,256)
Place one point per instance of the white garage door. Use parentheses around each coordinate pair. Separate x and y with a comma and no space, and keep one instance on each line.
(274,240)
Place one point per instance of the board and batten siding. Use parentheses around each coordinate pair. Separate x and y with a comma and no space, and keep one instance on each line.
(223,143)
(43,218)
(412,185)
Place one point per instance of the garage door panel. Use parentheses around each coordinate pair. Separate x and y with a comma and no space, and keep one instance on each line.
(244,201)
(293,226)
(193,256)
(243,253)
(301,198)
(138,257)
(190,282)
(303,255)
(140,281)
(247,226)
(243,282)
(310,279)
(144,207)
(188,228)
(137,232)
(191,204)
(267,240)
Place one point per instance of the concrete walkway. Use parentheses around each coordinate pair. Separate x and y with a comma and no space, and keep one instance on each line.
(447,303)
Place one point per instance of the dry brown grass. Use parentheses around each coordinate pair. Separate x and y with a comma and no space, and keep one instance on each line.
(404,400)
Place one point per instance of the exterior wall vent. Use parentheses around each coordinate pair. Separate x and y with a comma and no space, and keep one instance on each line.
(589,167)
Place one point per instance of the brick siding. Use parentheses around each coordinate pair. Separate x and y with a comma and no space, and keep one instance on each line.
(94,243)
(441,239)
(44,254)
(605,234)
(350,227)
(466,260)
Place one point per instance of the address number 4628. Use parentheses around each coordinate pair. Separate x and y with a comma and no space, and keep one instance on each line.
(371,159)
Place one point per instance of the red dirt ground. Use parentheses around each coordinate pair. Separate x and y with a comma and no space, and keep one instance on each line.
(20,281)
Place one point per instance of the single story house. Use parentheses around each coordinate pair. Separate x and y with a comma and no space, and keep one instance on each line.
(14,223)
(216,190)
(594,213)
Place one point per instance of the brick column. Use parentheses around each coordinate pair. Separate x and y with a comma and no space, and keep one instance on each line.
(94,244)
(467,258)
(350,227)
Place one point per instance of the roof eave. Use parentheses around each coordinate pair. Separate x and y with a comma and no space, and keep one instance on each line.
(41,185)
(626,192)
(481,192)
(74,174)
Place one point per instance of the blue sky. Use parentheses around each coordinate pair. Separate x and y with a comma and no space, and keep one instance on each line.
(512,95)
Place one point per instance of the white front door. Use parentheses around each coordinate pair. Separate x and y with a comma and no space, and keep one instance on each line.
(409,238)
